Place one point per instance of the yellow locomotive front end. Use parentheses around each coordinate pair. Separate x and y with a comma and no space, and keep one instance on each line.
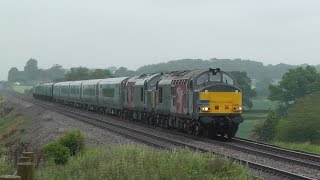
(221,102)
(218,103)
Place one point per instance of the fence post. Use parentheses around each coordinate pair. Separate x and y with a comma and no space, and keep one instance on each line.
(26,170)
(24,159)
(28,154)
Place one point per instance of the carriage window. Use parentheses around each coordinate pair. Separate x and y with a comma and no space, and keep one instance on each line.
(108,92)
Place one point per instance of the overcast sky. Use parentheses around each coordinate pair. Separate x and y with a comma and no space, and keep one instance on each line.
(132,33)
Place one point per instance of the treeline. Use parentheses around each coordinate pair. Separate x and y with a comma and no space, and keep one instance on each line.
(255,70)
(32,74)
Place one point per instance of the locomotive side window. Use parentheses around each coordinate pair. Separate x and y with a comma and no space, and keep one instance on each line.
(160,94)
(173,93)
(141,94)
(202,79)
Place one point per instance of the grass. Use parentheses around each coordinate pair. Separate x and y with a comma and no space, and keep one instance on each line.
(306,147)
(131,162)
(20,88)
(10,131)
(11,128)
(5,168)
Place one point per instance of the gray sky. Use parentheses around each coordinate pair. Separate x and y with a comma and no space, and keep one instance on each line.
(132,33)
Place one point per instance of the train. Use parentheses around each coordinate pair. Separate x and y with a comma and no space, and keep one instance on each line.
(202,102)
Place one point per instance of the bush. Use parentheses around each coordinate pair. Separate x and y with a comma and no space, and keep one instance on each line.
(58,152)
(73,140)
(302,123)
(266,130)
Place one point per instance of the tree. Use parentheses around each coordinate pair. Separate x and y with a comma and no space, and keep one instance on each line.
(56,72)
(13,74)
(31,69)
(100,74)
(265,130)
(79,73)
(295,84)
(302,122)
(244,82)
(262,87)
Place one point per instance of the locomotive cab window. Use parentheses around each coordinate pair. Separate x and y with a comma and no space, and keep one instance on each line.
(228,79)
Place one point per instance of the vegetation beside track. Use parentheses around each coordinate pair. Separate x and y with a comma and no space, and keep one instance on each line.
(11,130)
(306,147)
(132,162)
(21,89)
(250,120)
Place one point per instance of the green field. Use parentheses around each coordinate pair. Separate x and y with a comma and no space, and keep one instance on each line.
(263,104)
(21,89)
(250,119)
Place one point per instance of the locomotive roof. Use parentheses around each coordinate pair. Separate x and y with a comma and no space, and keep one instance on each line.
(140,81)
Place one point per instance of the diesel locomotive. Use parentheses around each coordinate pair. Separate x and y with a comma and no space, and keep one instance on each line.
(204,102)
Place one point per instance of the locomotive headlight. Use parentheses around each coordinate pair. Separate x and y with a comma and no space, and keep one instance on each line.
(237,109)
(204,109)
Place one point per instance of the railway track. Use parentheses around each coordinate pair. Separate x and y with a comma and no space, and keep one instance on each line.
(170,143)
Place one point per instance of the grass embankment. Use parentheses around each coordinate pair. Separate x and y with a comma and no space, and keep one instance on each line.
(11,128)
(131,162)
(300,129)
(10,131)
(20,88)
